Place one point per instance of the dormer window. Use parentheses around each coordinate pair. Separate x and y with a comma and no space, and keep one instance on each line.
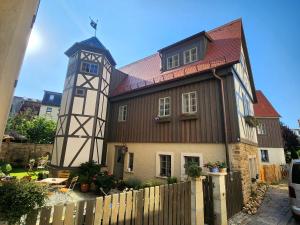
(51,97)
(190,55)
(173,61)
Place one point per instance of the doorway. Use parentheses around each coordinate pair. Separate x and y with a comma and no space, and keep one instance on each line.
(119,163)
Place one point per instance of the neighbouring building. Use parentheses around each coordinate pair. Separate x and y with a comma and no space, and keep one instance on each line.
(16,21)
(50,105)
(22,104)
(187,102)
(269,136)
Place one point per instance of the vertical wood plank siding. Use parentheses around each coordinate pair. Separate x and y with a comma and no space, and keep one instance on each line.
(141,126)
(272,138)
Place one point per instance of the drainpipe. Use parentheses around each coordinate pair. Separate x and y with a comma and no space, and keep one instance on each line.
(224,118)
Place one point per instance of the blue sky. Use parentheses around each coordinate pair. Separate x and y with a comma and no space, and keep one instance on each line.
(133,29)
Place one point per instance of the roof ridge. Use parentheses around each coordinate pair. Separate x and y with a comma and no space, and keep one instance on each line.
(139,60)
(226,24)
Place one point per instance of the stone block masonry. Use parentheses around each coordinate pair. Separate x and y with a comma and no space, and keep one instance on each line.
(20,153)
(241,154)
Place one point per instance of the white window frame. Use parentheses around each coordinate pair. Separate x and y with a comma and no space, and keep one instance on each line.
(128,162)
(172,61)
(164,114)
(49,111)
(189,51)
(184,154)
(183,108)
(122,116)
(261,129)
(158,154)
(268,156)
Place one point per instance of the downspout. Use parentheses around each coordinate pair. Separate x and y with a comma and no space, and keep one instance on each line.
(224,115)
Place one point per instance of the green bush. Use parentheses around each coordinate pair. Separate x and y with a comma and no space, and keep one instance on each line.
(193,170)
(89,169)
(19,198)
(6,168)
(151,183)
(133,183)
(105,181)
(172,180)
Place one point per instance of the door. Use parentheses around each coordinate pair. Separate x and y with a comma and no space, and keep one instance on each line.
(119,162)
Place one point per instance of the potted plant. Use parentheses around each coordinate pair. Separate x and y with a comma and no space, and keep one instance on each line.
(84,183)
(222,167)
(193,170)
(105,181)
(212,166)
(251,121)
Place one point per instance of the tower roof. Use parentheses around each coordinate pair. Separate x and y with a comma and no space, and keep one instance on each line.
(93,45)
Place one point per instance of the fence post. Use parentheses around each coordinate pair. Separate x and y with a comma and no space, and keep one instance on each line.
(219,198)
(197,203)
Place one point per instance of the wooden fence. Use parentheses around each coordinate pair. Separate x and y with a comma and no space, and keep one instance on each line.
(160,205)
(234,193)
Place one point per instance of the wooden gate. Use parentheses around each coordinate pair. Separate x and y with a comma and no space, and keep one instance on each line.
(208,201)
(165,205)
(234,193)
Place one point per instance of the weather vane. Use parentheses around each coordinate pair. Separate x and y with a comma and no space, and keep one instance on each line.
(94,25)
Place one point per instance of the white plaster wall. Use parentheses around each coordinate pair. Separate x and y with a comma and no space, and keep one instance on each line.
(276,156)
(15,27)
(145,163)
(50,115)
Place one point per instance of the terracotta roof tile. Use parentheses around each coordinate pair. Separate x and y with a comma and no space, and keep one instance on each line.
(224,49)
(263,108)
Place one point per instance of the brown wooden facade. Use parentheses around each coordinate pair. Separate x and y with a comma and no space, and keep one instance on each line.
(272,137)
(206,126)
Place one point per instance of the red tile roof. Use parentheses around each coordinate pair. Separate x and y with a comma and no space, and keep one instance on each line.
(263,108)
(224,49)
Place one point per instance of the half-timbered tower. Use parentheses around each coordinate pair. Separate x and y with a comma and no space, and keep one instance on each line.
(82,117)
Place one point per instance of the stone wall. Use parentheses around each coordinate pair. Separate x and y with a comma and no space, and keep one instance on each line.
(240,154)
(20,153)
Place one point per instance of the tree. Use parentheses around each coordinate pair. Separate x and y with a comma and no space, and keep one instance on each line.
(290,140)
(41,130)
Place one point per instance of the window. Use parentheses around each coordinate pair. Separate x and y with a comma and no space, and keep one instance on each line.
(80,92)
(172,61)
(189,102)
(246,106)
(191,159)
(122,113)
(89,67)
(164,106)
(48,110)
(165,165)
(264,155)
(130,161)
(261,129)
(51,97)
(190,55)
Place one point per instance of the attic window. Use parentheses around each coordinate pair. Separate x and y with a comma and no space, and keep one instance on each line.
(190,55)
(172,61)
(51,97)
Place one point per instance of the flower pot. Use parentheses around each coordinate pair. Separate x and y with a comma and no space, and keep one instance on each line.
(84,187)
(223,170)
(214,170)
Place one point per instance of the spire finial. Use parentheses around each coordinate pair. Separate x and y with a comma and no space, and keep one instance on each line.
(94,25)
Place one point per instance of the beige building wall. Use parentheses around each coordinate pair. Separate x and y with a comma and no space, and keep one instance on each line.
(53,115)
(276,156)
(146,160)
(16,17)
